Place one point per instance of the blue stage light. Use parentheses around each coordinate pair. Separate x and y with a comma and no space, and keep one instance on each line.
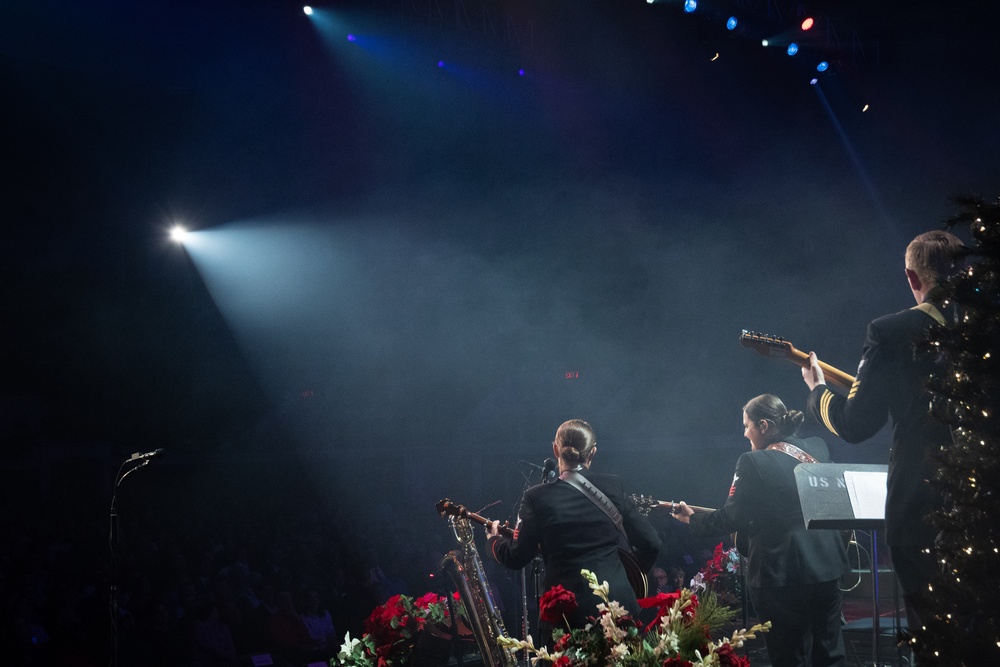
(731,23)
(690,5)
(792,49)
(823,66)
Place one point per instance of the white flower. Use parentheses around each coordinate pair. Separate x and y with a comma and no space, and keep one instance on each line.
(669,643)
(348,647)
(619,652)
(602,590)
(613,609)
(516,644)
(542,654)
(709,660)
(610,627)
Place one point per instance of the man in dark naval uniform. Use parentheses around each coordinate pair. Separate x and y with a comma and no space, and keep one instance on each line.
(890,385)
(572,533)
(794,573)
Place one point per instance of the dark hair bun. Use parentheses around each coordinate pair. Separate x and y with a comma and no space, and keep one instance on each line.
(793,419)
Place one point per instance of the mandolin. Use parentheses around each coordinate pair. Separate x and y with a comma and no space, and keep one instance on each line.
(447,507)
(636,575)
(773,346)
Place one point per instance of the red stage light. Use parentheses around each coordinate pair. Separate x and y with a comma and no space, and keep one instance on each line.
(808,23)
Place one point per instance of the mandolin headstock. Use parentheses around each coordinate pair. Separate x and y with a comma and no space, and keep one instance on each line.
(446,507)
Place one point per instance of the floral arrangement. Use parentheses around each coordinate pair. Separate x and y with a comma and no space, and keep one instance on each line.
(678,636)
(391,631)
(721,575)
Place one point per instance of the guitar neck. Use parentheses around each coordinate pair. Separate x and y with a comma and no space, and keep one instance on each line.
(698,509)
(833,376)
(647,503)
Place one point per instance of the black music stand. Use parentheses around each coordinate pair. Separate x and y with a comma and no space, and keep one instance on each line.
(826,504)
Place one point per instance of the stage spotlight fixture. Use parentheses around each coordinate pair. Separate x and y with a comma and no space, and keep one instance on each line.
(808,23)
(823,66)
(308,10)
(520,72)
(690,5)
(178,233)
(731,23)
(351,38)
(792,49)
(440,63)
(864,109)
(764,42)
(813,82)
(649,2)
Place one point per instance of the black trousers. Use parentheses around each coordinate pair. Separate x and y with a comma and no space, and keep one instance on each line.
(914,570)
(805,624)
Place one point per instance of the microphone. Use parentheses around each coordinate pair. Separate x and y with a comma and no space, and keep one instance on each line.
(139,456)
(550,468)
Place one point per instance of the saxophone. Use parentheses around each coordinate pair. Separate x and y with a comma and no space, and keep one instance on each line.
(466,571)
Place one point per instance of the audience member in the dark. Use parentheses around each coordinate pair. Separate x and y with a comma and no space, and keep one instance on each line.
(156,642)
(318,622)
(31,641)
(289,636)
(359,595)
(211,639)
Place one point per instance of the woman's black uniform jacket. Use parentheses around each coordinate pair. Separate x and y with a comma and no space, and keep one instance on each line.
(763,506)
(572,533)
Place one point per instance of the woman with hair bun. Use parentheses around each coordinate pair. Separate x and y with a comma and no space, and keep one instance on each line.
(794,574)
(572,533)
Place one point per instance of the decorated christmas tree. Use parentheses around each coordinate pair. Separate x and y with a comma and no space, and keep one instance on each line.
(965,627)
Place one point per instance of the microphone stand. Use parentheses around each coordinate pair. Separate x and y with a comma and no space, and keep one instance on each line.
(113,546)
(525,625)
(525,628)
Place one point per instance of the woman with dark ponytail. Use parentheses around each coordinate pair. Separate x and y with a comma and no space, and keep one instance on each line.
(571,532)
(794,574)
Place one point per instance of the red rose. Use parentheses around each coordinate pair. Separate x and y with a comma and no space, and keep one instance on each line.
(728,658)
(562,661)
(562,643)
(427,600)
(677,662)
(556,603)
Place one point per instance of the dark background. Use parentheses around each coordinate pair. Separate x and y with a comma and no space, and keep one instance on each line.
(407,275)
